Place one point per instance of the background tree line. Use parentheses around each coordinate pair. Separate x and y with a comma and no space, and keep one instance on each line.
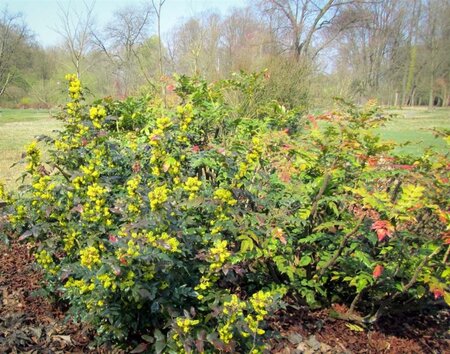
(394,50)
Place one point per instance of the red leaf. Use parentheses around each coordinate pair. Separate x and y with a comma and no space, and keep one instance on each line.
(195,148)
(136,167)
(446,237)
(313,121)
(438,293)
(372,161)
(383,228)
(377,271)
(381,233)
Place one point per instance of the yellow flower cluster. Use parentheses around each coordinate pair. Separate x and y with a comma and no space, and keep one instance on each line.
(218,254)
(107,281)
(164,242)
(81,285)
(185,324)
(97,113)
(74,86)
(3,194)
(69,240)
(75,139)
(162,123)
(42,189)
(186,114)
(33,155)
(192,186)
(259,302)
(72,108)
(159,159)
(45,260)
(135,201)
(89,257)
(232,309)
(18,215)
(133,249)
(205,284)
(132,185)
(128,282)
(90,170)
(158,196)
(251,158)
(225,196)
(95,209)
(131,141)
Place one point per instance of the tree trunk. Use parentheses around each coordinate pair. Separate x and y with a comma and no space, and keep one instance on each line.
(431,98)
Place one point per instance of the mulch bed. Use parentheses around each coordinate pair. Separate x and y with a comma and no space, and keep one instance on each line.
(304,331)
(31,324)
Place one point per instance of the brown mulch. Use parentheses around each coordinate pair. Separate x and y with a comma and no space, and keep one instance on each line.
(303,331)
(29,323)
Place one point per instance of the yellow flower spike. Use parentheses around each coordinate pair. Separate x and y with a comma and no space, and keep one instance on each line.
(225,196)
(185,324)
(158,196)
(89,257)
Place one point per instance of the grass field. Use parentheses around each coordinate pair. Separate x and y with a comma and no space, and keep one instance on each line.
(414,125)
(19,127)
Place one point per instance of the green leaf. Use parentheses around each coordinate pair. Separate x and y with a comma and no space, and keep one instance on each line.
(247,243)
(304,261)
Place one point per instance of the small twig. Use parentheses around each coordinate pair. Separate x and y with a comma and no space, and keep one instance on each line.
(417,272)
(326,180)
(396,191)
(354,302)
(65,174)
(338,252)
(444,260)
(412,281)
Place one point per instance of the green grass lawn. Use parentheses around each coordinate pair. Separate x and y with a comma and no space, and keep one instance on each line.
(414,125)
(18,127)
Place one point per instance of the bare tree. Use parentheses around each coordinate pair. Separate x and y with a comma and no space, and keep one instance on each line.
(297,23)
(157,6)
(436,28)
(14,36)
(373,50)
(121,40)
(76,29)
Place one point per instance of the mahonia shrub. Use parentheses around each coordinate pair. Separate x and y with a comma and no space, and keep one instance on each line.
(187,225)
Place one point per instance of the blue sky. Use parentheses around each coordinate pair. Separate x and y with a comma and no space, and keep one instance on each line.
(42,15)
